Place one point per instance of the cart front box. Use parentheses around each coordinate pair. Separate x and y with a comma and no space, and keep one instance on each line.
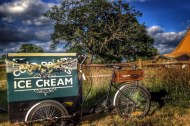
(33,77)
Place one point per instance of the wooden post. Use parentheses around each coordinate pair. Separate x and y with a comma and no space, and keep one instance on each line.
(140,64)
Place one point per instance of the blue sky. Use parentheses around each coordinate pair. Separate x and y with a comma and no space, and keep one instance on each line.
(21,21)
(170,14)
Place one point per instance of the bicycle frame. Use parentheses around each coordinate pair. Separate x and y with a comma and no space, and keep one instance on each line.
(105,100)
(118,88)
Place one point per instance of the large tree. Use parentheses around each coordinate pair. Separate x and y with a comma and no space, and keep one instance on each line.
(30,48)
(108,31)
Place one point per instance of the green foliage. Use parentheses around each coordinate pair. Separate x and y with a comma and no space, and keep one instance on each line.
(3,57)
(108,31)
(30,48)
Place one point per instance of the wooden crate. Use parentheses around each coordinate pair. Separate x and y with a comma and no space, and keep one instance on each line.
(128,75)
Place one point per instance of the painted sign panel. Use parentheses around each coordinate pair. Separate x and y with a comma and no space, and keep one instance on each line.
(34,76)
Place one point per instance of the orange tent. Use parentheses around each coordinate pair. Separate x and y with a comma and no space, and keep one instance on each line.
(182,50)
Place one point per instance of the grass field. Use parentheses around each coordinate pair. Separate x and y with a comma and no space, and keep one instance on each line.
(169,88)
(2,74)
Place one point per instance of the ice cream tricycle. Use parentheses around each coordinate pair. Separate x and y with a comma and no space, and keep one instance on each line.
(46,89)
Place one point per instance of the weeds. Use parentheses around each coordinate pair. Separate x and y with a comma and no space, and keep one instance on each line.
(3,94)
(169,87)
(173,80)
(2,74)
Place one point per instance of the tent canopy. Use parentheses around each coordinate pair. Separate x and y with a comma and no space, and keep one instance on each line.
(182,49)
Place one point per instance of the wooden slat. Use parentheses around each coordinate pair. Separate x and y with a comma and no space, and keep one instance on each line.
(143,64)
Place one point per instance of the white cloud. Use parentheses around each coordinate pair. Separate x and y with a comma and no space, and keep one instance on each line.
(33,26)
(165,41)
(27,22)
(8,19)
(154,29)
(12,47)
(14,7)
(163,48)
(28,12)
(43,34)
(41,20)
(50,5)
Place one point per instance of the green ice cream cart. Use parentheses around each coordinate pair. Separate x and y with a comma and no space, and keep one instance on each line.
(42,82)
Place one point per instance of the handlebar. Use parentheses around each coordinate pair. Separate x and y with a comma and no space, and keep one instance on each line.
(114,66)
(82,59)
(134,66)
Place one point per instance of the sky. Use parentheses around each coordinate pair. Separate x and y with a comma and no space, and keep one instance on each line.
(21,21)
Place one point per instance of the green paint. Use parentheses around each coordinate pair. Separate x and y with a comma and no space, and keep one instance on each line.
(32,77)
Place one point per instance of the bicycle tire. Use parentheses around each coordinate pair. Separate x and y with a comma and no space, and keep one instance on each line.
(124,106)
(47,109)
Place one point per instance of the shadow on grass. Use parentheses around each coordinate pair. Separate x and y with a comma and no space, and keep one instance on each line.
(158,97)
(94,96)
(3,101)
(3,117)
(3,106)
(92,118)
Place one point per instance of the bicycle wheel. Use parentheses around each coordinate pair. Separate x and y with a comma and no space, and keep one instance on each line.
(46,113)
(132,101)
